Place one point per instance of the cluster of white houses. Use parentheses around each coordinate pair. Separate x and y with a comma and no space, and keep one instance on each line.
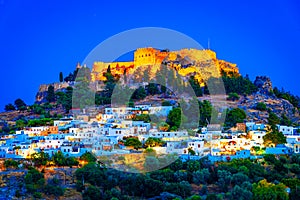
(104,135)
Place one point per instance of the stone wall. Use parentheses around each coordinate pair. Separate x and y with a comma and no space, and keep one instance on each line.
(42,92)
(203,63)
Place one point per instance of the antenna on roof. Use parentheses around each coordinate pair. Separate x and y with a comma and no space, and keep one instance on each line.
(208,43)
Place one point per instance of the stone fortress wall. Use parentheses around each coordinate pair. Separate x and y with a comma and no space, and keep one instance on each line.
(152,57)
(200,64)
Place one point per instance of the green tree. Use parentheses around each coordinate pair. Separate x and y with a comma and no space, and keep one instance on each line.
(274,137)
(92,174)
(201,176)
(174,118)
(241,193)
(88,157)
(239,178)
(238,84)
(294,100)
(40,159)
(294,185)
(139,94)
(194,197)
(37,109)
(264,190)
(273,120)
(213,197)
(196,86)
(150,151)
(152,89)
(191,152)
(285,121)
(50,94)
(40,122)
(233,96)
(193,165)
(166,103)
(261,106)
(142,117)
(67,103)
(34,181)
(82,96)
(224,178)
(234,116)
(59,159)
(11,163)
(182,188)
(54,188)
(20,104)
(154,142)
(20,124)
(92,193)
(206,110)
(9,107)
(133,142)
(61,77)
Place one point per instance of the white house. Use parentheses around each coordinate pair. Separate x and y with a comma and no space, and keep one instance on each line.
(197,146)
(286,130)
(257,137)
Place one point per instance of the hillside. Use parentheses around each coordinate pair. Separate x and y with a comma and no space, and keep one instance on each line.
(195,66)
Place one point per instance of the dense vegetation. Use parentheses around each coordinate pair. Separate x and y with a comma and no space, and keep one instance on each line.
(265,178)
(36,185)
(238,84)
(293,99)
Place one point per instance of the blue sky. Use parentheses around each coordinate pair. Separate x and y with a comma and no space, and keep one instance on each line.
(38,39)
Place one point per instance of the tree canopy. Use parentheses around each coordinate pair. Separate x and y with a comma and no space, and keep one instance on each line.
(20,104)
(133,142)
(234,116)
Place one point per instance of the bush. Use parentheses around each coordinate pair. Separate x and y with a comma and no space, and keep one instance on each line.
(37,195)
(233,96)
(261,106)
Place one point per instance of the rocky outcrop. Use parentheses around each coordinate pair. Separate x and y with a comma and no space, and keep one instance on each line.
(12,183)
(264,85)
(42,92)
(276,105)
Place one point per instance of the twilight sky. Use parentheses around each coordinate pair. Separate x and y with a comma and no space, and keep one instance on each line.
(38,39)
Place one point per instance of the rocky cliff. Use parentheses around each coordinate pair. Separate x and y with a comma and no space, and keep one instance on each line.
(264,85)
(42,92)
(265,95)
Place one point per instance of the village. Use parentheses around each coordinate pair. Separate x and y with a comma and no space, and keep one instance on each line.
(105,134)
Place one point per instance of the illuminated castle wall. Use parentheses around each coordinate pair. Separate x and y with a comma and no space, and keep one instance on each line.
(154,57)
